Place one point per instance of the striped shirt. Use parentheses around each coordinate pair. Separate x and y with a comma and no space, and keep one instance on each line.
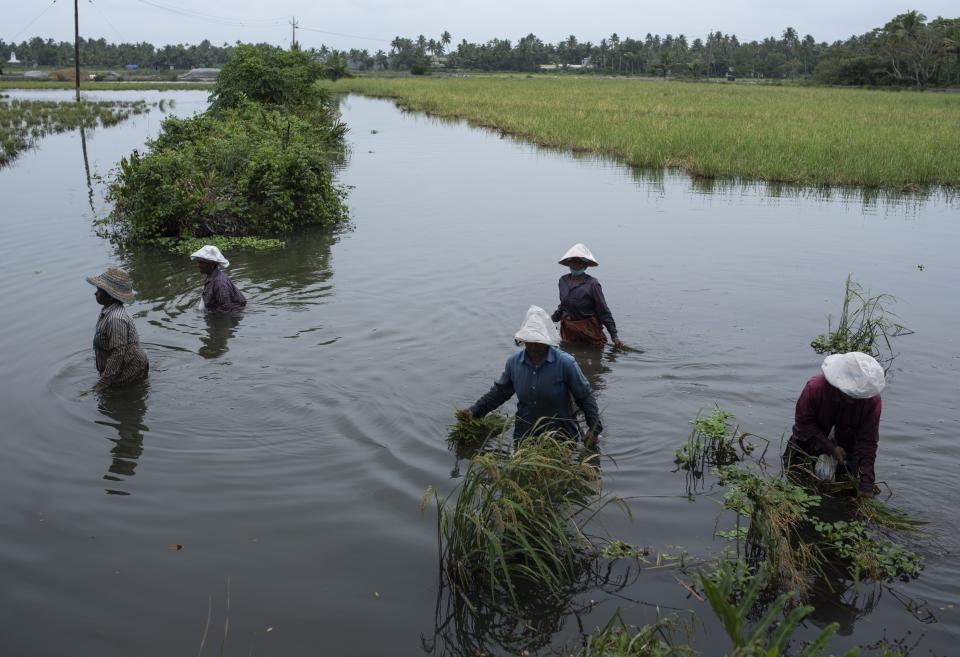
(116,345)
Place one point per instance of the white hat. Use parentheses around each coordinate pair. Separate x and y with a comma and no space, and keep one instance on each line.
(579,251)
(856,374)
(210,253)
(538,327)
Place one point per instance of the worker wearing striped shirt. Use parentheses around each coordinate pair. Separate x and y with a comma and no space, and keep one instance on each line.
(120,359)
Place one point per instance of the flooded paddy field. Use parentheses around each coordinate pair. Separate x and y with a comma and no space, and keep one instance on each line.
(270,472)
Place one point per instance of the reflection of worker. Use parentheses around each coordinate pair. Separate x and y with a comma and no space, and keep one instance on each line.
(119,357)
(219,292)
(543,378)
(583,307)
(845,398)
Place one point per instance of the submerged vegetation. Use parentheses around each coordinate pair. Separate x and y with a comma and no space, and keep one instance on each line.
(712,443)
(518,520)
(257,163)
(799,135)
(865,324)
(24,122)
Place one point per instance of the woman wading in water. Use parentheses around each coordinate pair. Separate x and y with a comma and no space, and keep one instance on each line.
(116,345)
(583,311)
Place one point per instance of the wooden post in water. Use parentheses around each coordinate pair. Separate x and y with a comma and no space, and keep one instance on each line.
(76,43)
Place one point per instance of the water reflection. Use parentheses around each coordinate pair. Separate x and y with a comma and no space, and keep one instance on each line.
(86,167)
(471,623)
(124,410)
(220,328)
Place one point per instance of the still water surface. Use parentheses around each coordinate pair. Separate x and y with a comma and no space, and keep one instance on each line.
(286,451)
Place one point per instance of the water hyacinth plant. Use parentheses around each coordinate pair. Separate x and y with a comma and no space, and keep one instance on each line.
(712,443)
(865,324)
(519,518)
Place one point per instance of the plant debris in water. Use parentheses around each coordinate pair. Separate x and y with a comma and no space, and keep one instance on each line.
(865,324)
(187,245)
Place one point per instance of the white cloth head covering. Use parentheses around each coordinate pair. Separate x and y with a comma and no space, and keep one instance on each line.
(579,251)
(210,253)
(856,374)
(538,327)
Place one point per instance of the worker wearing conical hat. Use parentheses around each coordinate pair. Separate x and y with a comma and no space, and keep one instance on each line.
(583,310)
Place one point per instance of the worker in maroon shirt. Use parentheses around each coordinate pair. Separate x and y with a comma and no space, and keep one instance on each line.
(846,399)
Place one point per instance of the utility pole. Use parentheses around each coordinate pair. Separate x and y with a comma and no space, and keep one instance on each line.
(76,43)
(293,42)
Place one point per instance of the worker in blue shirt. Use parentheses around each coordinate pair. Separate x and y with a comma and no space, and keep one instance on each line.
(544,380)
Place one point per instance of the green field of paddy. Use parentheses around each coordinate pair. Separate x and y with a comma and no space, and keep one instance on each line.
(804,135)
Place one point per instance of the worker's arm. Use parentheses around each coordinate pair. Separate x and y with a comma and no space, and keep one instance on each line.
(500,392)
(865,445)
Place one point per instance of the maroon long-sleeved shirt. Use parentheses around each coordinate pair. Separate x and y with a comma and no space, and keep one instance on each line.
(856,425)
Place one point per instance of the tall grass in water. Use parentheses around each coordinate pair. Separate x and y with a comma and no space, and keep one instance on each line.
(810,136)
(865,324)
(732,604)
(519,518)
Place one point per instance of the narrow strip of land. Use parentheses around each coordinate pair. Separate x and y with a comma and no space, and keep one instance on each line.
(805,135)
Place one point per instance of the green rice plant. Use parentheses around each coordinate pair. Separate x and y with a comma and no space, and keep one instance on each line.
(875,512)
(519,518)
(798,135)
(865,324)
(469,436)
(777,512)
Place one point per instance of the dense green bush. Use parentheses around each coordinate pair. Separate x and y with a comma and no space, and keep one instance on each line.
(267,75)
(248,170)
(258,162)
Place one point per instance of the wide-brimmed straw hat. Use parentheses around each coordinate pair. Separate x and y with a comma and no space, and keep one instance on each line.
(538,327)
(114,282)
(579,252)
(855,374)
(210,253)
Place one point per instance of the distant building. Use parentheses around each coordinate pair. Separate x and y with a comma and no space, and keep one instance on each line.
(200,75)
(13,58)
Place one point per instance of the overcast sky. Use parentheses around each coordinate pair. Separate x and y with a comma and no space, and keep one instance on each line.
(372,24)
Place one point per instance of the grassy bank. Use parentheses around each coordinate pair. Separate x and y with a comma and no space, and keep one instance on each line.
(813,136)
(105,86)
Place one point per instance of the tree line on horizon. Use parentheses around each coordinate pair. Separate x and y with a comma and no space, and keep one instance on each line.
(908,51)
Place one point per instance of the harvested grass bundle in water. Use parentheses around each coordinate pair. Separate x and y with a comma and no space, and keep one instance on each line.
(864,325)
(878,514)
(468,437)
(777,512)
(519,518)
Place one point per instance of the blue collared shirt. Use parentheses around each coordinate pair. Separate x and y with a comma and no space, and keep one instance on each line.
(543,394)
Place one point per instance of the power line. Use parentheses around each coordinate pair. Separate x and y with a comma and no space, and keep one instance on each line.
(104,16)
(211,18)
(36,18)
(340,34)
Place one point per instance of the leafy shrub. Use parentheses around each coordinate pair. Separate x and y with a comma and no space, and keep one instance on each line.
(268,75)
(247,170)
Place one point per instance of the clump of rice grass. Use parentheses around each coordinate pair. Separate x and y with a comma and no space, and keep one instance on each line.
(865,324)
(879,514)
(777,512)
(469,436)
(654,640)
(712,443)
(518,519)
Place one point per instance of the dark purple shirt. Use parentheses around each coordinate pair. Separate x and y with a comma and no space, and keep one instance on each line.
(219,293)
(856,425)
(583,301)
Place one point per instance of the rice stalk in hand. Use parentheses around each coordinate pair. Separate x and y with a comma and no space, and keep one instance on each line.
(469,436)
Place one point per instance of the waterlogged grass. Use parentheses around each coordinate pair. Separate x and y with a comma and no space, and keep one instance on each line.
(131,85)
(517,520)
(226,243)
(811,136)
(24,122)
